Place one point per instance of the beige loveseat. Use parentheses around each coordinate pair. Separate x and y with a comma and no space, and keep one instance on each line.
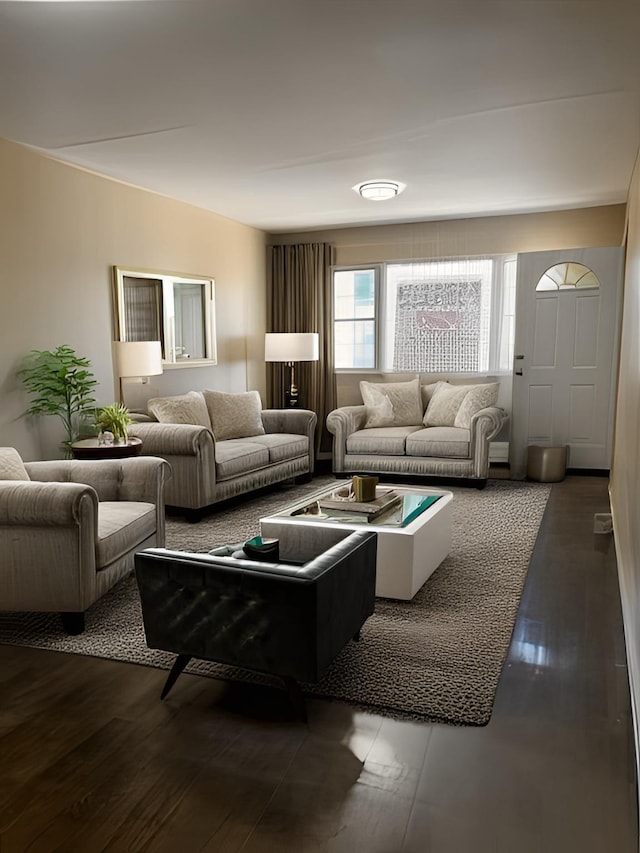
(221,445)
(437,429)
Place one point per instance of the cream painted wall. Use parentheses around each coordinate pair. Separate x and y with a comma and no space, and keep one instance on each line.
(61,230)
(625,473)
(533,232)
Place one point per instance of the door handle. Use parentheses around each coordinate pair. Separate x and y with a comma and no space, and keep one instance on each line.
(518,372)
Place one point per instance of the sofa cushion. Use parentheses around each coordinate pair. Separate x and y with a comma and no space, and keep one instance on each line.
(479,397)
(440,442)
(444,404)
(283,446)
(11,465)
(426,393)
(239,456)
(234,415)
(392,404)
(380,441)
(184,409)
(120,525)
(455,405)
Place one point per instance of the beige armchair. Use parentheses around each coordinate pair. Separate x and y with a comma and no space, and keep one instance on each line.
(69,529)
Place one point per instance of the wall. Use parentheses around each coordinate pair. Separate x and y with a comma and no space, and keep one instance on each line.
(533,232)
(625,473)
(595,226)
(61,231)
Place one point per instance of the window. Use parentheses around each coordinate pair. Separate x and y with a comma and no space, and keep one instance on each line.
(568,276)
(452,315)
(354,314)
(175,309)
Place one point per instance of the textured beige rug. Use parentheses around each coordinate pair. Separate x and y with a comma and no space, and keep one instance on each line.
(435,658)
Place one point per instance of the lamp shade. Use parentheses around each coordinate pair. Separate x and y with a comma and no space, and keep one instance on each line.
(291,346)
(138,358)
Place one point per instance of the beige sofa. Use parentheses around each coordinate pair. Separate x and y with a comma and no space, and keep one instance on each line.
(221,445)
(69,529)
(436,429)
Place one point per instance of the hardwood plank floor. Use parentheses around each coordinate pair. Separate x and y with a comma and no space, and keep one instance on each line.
(91,760)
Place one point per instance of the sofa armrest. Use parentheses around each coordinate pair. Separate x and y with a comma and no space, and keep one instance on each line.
(488,422)
(172,439)
(143,479)
(48,536)
(138,478)
(342,422)
(35,504)
(293,421)
(190,451)
(485,425)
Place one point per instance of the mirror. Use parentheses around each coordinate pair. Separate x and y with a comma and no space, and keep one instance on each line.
(174,308)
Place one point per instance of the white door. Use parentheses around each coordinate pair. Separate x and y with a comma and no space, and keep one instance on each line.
(566,352)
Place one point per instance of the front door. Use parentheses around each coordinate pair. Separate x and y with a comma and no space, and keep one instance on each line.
(566,347)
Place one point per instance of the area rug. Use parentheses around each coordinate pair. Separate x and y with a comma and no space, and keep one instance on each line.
(436,658)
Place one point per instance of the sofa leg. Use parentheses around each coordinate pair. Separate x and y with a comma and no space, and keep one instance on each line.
(179,664)
(303,478)
(296,697)
(356,636)
(73,623)
(480,484)
(193,516)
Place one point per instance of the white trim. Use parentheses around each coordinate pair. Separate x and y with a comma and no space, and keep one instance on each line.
(499,451)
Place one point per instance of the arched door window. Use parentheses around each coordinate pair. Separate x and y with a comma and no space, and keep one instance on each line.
(568,276)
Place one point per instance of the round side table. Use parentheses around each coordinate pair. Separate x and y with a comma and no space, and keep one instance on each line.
(88,448)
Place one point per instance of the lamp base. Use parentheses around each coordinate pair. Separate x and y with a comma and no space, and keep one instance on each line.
(291,398)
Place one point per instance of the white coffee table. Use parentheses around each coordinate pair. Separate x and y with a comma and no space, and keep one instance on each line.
(406,556)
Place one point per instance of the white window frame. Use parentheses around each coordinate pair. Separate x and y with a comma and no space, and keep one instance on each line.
(378,272)
(380,311)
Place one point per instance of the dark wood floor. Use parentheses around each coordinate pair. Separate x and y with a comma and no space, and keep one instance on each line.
(90,760)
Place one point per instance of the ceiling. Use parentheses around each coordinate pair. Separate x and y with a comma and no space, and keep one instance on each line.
(269,111)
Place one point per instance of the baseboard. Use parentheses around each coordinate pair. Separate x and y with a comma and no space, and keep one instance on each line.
(623,557)
(499,451)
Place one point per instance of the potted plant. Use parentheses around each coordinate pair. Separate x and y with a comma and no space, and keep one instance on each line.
(61,383)
(114,419)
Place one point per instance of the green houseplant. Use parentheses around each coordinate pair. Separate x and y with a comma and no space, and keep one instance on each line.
(115,419)
(61,383)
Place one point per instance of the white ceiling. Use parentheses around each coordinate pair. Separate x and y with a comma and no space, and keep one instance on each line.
(269,111)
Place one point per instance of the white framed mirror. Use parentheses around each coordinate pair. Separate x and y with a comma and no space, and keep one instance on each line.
(177,309)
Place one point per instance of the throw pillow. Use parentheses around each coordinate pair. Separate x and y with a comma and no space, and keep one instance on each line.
(11,465)
(444,404)
(426,393)
(392,403)
(234,415)
(479,397)
(185,409)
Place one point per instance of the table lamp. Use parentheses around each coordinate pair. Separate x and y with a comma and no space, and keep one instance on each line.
(137,359)
(290,347)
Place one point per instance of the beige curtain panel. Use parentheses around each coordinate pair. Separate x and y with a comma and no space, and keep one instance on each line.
(299,300)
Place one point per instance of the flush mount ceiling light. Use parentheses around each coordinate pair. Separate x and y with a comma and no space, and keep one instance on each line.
(379,190)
